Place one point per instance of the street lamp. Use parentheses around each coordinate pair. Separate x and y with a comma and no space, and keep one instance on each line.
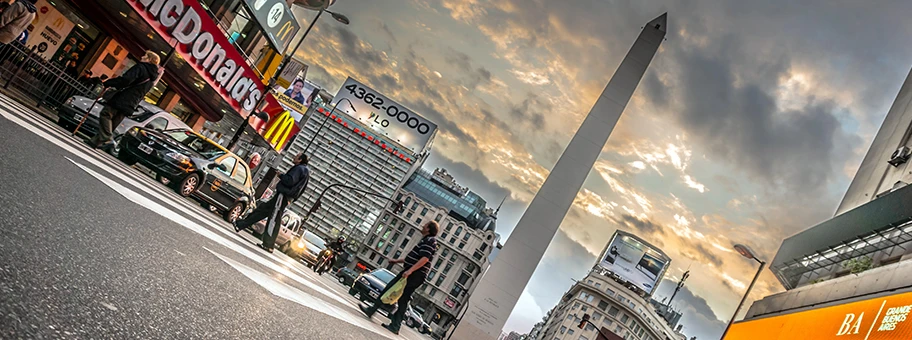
(749,254)
(275,76)
(237,134)
(325,120)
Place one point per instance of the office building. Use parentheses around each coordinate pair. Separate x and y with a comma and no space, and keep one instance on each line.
(465,241)
(848,276)
(343,150)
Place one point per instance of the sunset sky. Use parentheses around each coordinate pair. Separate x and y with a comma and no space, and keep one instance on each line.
(746,128)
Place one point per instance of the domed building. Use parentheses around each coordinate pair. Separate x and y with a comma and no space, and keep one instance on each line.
(466,239)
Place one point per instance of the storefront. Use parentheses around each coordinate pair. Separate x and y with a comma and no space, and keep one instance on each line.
(105,37)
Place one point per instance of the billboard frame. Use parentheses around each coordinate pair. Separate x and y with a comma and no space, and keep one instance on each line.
(659,276)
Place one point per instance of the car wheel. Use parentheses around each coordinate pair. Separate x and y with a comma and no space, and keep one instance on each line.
(126,158)
(234,213)
(188,185)
(285,247)
(115,149)
(342,280)
(409,322)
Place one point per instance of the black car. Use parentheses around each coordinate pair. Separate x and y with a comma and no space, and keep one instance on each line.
(194,166)
(346,276)
(369,285)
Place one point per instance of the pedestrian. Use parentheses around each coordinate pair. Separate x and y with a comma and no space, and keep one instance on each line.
(291,185)
(130,87)
(16,19)
(416,266)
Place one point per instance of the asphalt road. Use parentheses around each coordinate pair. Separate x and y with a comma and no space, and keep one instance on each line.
(92,248)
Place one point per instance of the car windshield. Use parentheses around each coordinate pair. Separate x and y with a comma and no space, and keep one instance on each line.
(314,239)
(194,142)
(384,275)
(141,115)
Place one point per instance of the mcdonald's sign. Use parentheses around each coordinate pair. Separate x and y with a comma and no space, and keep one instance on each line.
(275,19)
(280,129)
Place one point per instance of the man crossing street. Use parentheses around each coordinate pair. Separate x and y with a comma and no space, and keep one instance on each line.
(291,186)
(417,264)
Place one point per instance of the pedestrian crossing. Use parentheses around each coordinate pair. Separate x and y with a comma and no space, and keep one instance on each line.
(140,187)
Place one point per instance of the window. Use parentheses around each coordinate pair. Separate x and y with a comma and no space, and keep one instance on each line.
(598,285)
(418,221)
(438,217)
(395,221)
(443,236)
(424,211)
(563,329)
(386,217)
(437,265)
(373,256)
(409,215)
(624,319)
(584,309)
(576,305)
(399,197)
(456,290)
(607,322)
(411,232)
(447,268)
(433,292)
(602,305)
(466,237)
(445,252)
(452,240)
(386,251)
(596,316)
(589,281)
(387,234)
(431,274)
(470,267)
(415,206)
(458,231)
(159,123)
(449,226)
(587,328)
(380,244)
(483,246)
(461,244)
(395,237)
(609,291)
(229,163)
(463,278)
(569,317)
(453,257)
(398,253)
(570,331)
(404,243)
(440,280)
(613,311)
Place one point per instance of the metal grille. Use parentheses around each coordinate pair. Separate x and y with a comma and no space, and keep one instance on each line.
(26,74)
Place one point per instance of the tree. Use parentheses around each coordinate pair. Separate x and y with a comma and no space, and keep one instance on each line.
(858,264)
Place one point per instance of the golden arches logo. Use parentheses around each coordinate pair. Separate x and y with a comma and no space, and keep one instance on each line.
(285,30)
(279,129)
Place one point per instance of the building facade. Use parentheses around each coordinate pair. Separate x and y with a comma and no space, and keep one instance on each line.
(343,150)
(612,307)
(465,241)
(854,263)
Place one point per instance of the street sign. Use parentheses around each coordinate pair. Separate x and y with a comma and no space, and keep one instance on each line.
(276,20)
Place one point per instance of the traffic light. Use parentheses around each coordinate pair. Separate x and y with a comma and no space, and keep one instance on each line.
(399,207)
(584,320)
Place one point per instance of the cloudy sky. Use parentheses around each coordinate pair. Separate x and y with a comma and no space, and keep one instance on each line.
(746,128)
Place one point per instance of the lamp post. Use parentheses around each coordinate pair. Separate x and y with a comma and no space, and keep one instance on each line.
(749,254)
(275,76)
(325,120)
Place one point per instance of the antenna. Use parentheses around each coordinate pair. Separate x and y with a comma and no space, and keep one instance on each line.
(679,286)
(500,205)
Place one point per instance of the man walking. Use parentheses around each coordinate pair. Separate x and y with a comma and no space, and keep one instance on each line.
(15,18)
(131,87)
(417,263)
(291,185)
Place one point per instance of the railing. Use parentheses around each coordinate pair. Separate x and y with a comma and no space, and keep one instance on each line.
(25,72)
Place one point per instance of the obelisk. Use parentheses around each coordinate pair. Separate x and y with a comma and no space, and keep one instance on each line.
(500,288)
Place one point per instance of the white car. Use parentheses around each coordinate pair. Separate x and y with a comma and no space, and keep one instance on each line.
(147,115)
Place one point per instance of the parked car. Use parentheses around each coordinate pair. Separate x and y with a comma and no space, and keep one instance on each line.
(369,285)
(414,320)
(147,115)
(346,276)
(194,166)
(306,247)
(291,223)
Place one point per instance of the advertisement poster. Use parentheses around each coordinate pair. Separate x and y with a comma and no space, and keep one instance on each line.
(276,19)
(634,261)
(49,30)
(73,50)
(385,116)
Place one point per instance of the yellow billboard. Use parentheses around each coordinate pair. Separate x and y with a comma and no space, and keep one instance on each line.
(873,319)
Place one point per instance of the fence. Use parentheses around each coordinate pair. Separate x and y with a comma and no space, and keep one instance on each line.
(28,76)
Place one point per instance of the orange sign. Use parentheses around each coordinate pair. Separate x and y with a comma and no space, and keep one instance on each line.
(875,319)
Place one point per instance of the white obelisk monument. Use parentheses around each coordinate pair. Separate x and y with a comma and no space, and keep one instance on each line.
(500,288)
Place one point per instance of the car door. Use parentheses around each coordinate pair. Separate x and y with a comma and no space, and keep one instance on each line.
(239,181)
(217,179)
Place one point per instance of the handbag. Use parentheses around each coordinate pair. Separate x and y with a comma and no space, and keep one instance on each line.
(394,293)
(107,95)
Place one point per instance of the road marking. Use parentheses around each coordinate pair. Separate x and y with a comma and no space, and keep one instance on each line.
(182,254)
(108,306)
(282,290)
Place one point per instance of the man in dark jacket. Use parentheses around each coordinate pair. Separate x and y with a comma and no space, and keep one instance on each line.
(131,87)
(15,19)
(291,185)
